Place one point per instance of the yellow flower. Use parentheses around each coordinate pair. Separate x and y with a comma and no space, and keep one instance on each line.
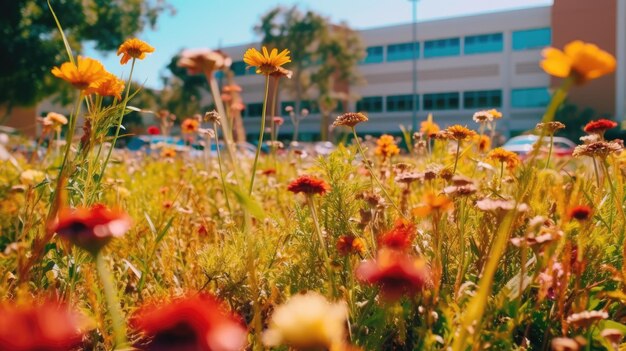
(483,142)
(495,113)
(386,146)
(428,127)
(82,74)
(433,204)
(32,177)
(108,85)
(133,48)
(190,125)
(581,60)
(168,152)
(308,321)
(266,62)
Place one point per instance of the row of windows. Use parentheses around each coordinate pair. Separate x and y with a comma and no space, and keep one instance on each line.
(473,44)
(520,98)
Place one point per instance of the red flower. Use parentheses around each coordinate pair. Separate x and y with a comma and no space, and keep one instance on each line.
(400,237)
(600,126)
(154,130)
(268,172)
(395,273)
(47,327)
(308,185)
(580,212)
(278,121)
(91,228)
(190,323)
(349,244)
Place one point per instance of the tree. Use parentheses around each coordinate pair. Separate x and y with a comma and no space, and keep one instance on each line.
(30,44)
(324,56)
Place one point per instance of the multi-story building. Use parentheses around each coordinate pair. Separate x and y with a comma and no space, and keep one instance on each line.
(466,64)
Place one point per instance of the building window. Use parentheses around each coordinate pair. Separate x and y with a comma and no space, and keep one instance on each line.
(373,54)
(396,103)
(254,109)
(530,97)
(401,52)
(442,47)
(531,39)
(370,104)
(441,101)
(482,99)
(484,43)
(239,68)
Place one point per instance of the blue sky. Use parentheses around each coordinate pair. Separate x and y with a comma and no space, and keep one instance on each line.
(214,23)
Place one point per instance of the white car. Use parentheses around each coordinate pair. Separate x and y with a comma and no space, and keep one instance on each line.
(523,144)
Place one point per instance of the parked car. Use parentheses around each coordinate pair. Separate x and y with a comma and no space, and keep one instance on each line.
(523,144)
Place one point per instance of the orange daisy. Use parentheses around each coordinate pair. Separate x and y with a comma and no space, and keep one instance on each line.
(133,48)
(190,125)
(266,62)
(108,85)
(583,61)
(82,73)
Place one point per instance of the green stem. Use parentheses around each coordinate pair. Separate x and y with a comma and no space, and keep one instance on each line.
(261,133)
(118,128)
(219,162)
(369,168)
(550,151)
(322,242)
(110,294)
(595,169)
(456,158)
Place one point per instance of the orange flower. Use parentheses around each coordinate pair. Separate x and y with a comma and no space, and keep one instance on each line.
(133,48)
(433,204)
(82,74)
(168,152)
(190,125)
(349,244)
(504,156)
(386,146)
(483,142)
(266,62)
(108,85)
(428,127)
(581,60)
(458,132)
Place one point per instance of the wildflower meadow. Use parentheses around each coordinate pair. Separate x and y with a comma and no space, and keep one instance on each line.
(439,240)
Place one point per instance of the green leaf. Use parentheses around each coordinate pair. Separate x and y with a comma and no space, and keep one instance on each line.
(247,202)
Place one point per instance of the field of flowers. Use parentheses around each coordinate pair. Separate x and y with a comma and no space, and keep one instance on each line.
(451,245)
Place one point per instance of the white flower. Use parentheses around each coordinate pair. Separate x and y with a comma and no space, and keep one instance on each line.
(307,321)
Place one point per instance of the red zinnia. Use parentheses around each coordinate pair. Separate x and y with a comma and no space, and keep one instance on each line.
(580,212)
(600,126)
(400,237)
(190,323)
(395,272)
(33,327)
(154,130)
(308,185)
(91,228)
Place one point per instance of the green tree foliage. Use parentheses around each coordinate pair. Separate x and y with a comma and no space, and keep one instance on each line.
(183,92)
(30,44)
(322,53)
